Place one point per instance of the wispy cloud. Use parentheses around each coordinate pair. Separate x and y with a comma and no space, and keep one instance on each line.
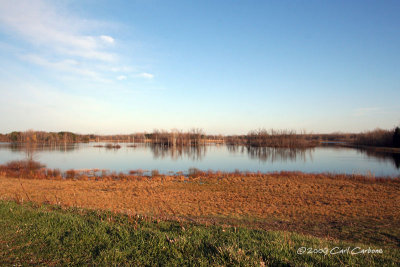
(121,78)
(107,39)
(61,41)
(67,65)
(145,75)
(42,25)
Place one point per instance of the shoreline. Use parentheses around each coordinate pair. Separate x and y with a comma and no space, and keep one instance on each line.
(30,169)
(371,148)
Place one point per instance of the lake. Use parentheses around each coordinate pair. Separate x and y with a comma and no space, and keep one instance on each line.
(149,157)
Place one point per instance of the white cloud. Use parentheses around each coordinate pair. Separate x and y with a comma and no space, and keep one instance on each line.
(107,39)
(145,75)
(62,42)
(67,65)
(43,26)
(59,41)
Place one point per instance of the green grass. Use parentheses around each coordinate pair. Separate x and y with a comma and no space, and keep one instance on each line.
(49,235)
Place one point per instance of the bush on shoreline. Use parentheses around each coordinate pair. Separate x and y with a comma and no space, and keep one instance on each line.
(379,138)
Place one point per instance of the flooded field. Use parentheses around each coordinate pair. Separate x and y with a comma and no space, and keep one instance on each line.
(215,157)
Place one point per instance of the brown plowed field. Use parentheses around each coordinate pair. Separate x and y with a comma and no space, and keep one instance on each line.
(337,206)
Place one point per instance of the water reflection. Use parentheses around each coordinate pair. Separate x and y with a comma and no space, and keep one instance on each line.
(194,153)
(382,156)
(229,157)
(270,154)
(38,147)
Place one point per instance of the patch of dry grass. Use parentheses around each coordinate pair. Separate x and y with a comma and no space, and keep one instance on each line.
(338,206)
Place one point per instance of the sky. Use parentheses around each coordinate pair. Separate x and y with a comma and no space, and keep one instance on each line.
(228,67)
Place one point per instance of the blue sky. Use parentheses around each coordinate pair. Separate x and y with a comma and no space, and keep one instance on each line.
(224,66)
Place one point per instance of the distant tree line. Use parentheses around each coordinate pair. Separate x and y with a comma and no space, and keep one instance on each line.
(193,137)
(273,138)
(379,138)
(396,137)
(278,138)
(196,136)
(4,138)
(31,136)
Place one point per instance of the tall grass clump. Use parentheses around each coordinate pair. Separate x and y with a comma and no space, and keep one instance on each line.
(19,168)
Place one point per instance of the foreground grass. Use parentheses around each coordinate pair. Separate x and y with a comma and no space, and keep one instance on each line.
(50,235)
(345,207)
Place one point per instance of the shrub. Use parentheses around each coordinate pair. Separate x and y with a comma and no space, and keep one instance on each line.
(24,165)
(70,174)
(155,173)
(194,173)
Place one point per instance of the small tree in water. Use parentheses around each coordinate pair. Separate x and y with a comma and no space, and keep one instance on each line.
(396,137)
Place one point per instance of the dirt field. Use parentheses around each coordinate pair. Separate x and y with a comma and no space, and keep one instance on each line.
(339,207)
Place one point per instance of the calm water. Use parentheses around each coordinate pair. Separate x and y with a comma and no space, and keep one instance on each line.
(224,158)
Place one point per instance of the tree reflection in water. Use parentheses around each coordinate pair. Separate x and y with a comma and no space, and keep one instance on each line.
(272,154)
(382,156)
(194,153)
(38,147)
(198,153)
